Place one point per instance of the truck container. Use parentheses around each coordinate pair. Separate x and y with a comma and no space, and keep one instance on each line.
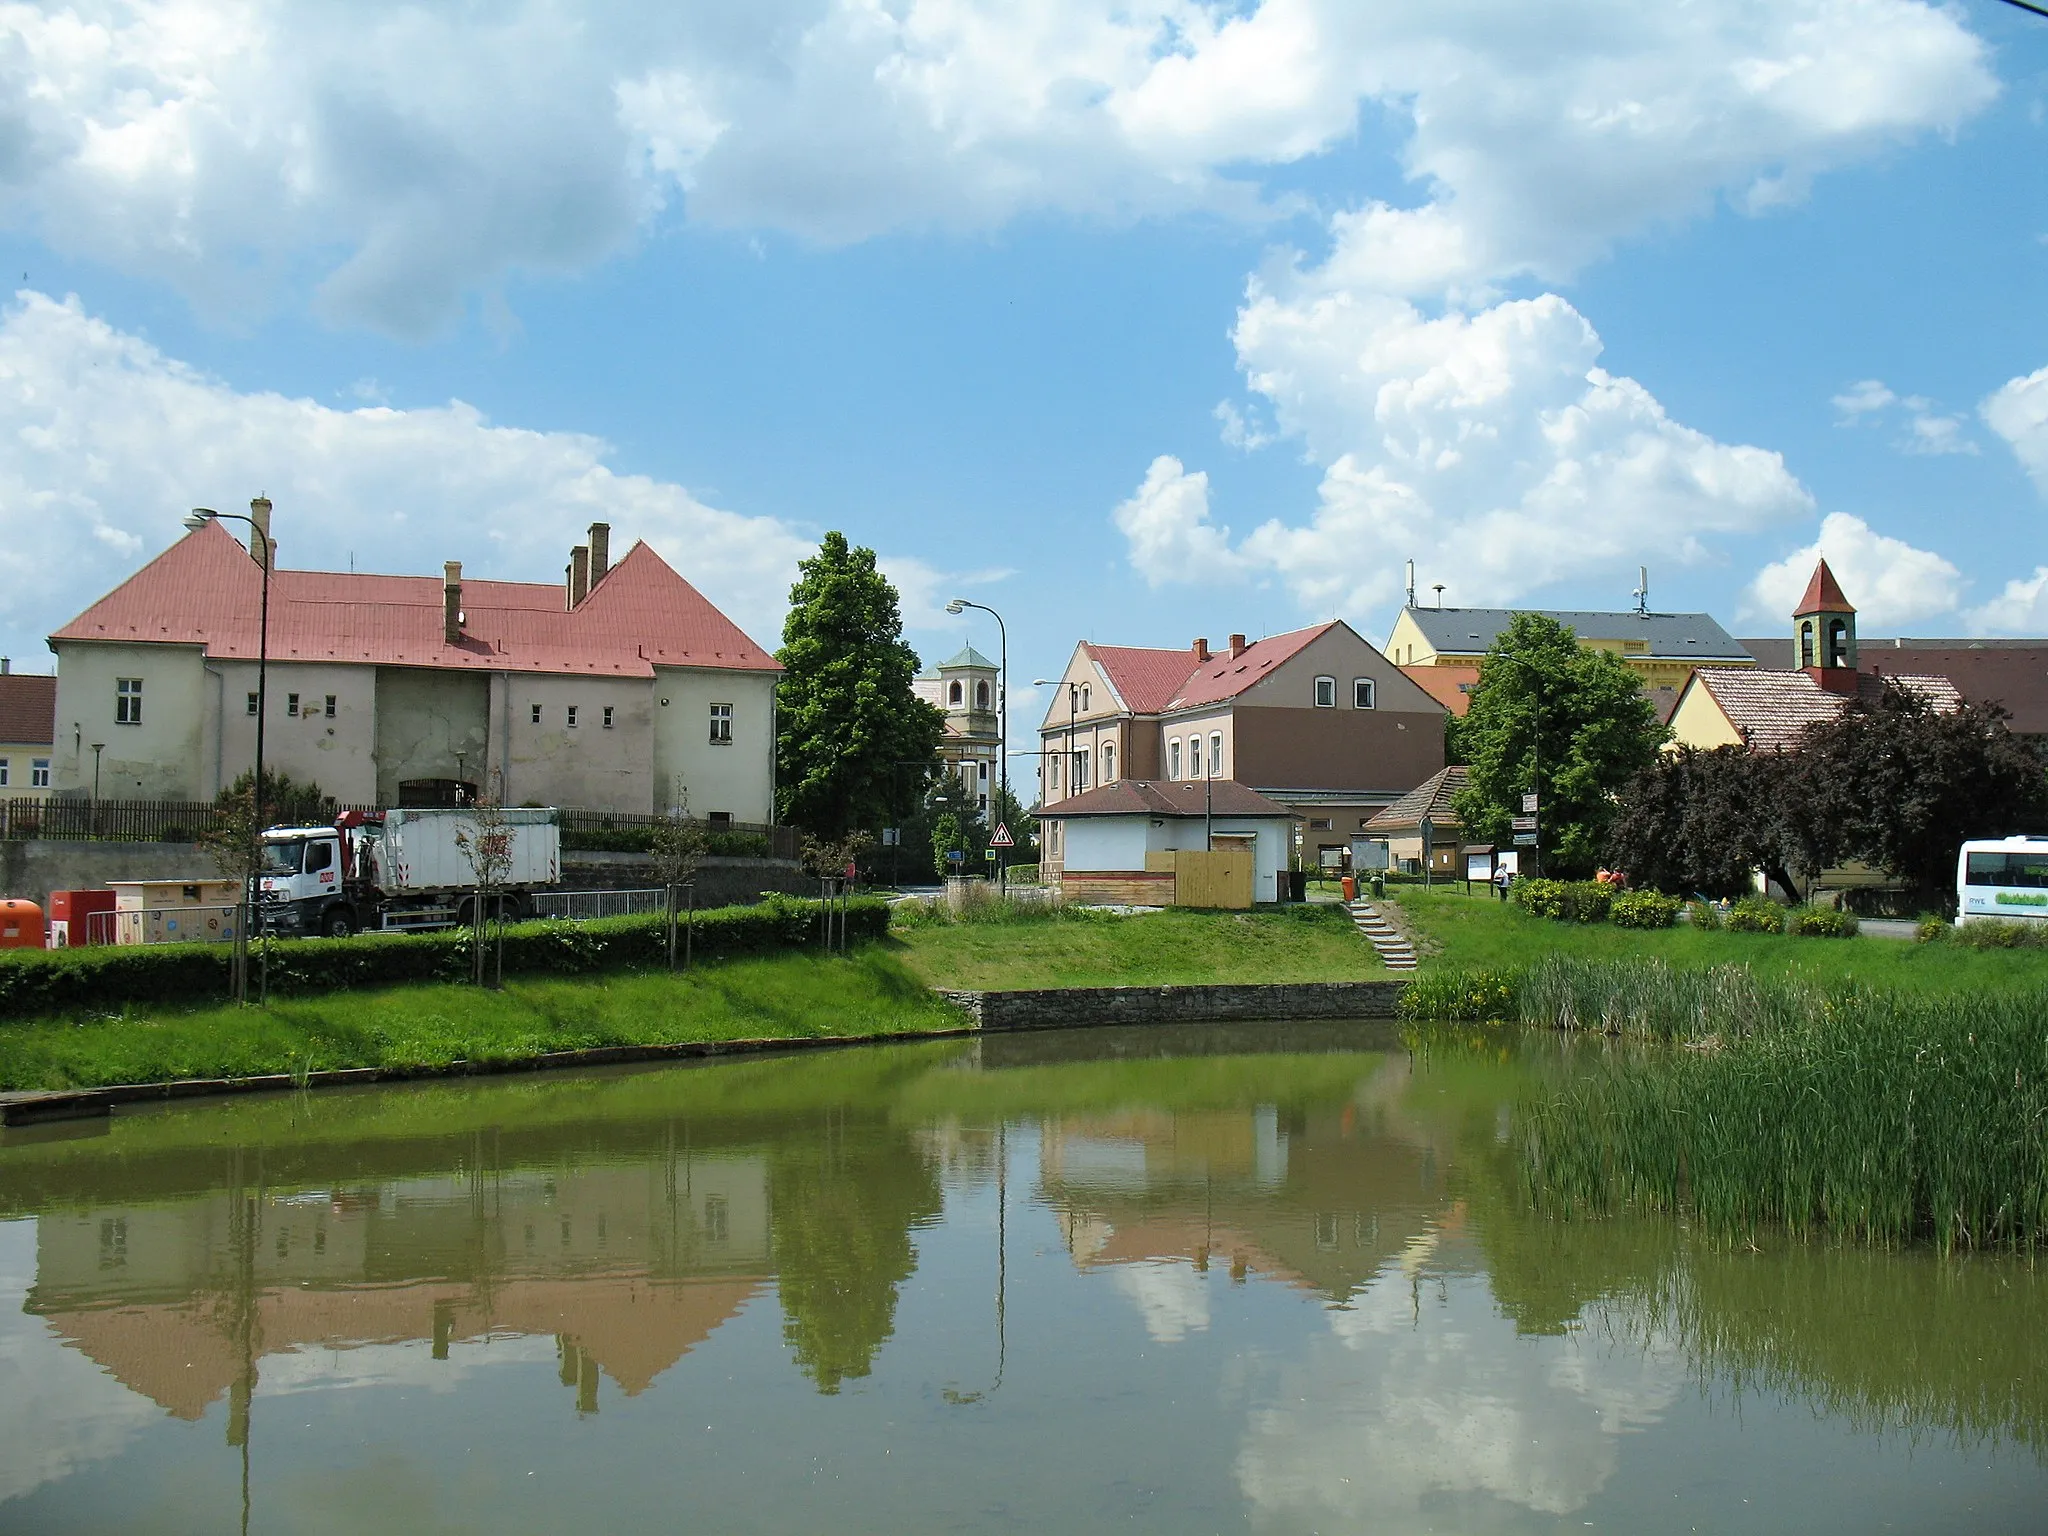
(401,869)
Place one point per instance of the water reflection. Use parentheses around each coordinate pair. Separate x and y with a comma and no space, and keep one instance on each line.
(1270,1279)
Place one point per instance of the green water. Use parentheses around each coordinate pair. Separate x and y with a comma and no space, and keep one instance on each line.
(1269,1278)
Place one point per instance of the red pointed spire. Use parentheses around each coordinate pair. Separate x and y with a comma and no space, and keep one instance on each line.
(1823,595)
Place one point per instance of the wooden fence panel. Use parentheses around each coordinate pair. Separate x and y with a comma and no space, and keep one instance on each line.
(1222,878)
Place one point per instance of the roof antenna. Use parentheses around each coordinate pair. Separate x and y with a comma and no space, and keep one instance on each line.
(1642,592)
(1411,583)
(1438,589)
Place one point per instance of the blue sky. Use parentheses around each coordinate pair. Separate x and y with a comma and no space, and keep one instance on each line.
(1136,323)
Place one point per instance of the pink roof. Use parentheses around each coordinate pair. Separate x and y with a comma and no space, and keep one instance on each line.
(1770,709)
(205,590)
(28,708)
(1146,679)
(1225,676)
(1823,594)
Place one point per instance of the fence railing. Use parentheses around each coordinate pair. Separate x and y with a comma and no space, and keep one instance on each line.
(583,906)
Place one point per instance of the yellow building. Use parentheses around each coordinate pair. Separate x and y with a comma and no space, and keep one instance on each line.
(28,713)
(1661,648)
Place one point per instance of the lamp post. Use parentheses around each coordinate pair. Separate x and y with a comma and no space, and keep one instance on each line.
(1073,710)
(199,518)
(97,748)
(1002,722)
(1536,750)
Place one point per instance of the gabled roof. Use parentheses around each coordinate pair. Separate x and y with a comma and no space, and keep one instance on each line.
(28,708)
(206,591)
(1225,676)
(968,657)
(1823,594)
(1431,798)
(1144,797)
(1770,709)
(1670,636)
(1145,678)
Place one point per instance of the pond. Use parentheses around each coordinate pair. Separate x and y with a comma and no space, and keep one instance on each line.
(1261,1278)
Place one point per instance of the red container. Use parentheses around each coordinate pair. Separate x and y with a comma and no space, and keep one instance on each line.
(21,924)
(71,914)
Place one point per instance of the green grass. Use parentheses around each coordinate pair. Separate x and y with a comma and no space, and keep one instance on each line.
(1086,949)
(1479,932)
(778,997)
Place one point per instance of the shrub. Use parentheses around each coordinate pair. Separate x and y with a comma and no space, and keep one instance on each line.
(1756,914)
(37,982)
(1823,923)
(1932,928)
(1586,901)
(1461,997)
(1542,898)
(1023,874)
(2001,935)
(722,845)
(1703,915)
(1645,909)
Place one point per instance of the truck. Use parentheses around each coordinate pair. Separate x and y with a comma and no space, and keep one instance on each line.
(401,869)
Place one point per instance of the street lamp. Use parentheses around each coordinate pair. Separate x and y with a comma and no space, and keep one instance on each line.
(199,518)
(1002,721)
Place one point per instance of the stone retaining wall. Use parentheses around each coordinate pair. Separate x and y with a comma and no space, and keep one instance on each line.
(1066,1008)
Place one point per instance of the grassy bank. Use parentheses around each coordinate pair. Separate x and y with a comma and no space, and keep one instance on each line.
(1459,931)
(789,996)
(1029,948)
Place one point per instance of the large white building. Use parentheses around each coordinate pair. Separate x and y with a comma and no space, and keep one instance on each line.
(623,689)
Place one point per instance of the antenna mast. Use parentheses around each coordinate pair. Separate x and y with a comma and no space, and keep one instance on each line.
(1411,583)
(1642,591)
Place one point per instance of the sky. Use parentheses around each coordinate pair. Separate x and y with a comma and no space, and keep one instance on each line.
(1134,322)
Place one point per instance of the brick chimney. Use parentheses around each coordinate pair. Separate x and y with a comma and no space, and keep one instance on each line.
(579,575)
(259,514)
(600,551)
(1201,649)
(451,602)
(1237,646)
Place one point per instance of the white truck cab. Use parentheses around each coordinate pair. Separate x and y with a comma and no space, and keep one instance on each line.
(305,888)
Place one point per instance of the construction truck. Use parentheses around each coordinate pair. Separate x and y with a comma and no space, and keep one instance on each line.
(401,869)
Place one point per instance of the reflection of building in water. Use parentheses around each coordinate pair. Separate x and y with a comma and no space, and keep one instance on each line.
(1323,1198)
(629,1267)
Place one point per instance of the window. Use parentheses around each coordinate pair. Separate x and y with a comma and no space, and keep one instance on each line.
(1054,764)
(1080,771)
(1361,693)
(1194,757)
(981,695)
(252,704)
(608,716)
(1326,693)
(572,717)
(1173,758)
(954,695)
(1108,762)
(127,701)
(319,856)
(39,773)
(982,772)
(329,710)
(1838,643)
(1216,754)
(4,765)
(1319,823)
(1084,695)
(291,705)
(721,723)
(535,715)
(1806,645)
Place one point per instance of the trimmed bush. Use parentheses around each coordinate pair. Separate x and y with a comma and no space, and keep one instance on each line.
(1586,901)
(1703,915)
(1542,898)
(1823,923)
(1461,997)
(1756,914)
(1645,909)
(1993,934)
(62,981)
(1932,928)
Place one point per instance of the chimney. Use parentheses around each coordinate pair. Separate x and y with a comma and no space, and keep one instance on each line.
(259,514)
(1237,646)
(6,665)
(579,575)
(451,602)
(600,551)
(1201,649)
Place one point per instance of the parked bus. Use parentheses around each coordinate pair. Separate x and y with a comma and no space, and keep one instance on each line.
(2005,879)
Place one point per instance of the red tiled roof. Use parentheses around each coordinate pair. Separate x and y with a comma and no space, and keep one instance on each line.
(1226,676)
(1144,678)
(1770,709)
(1431,798)
(1823,594)
(1143,797)
(28,708)
(205,590)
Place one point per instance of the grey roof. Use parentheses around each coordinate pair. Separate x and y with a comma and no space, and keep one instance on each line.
(1671,636)
(968,657)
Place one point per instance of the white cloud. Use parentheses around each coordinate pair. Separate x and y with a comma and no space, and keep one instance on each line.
(2020,609)
(1166,524)
(2018,412)
(1889,581)
(1926,430)
(412,156)
(1170,1297)
(105,442)
(1863,398)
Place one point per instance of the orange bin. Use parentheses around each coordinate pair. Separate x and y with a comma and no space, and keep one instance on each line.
(21,925)
(1350,888)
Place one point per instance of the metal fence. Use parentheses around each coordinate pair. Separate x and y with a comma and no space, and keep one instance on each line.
(582,906)
(783,842)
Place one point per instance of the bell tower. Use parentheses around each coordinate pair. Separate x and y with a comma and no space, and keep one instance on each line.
(1824,633)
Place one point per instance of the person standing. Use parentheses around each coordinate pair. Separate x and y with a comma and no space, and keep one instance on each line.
(1503,877)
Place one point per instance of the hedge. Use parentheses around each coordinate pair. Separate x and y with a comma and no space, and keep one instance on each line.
(1823,923)
(721,845)
(41,982)
(1755,914)
(1645,909)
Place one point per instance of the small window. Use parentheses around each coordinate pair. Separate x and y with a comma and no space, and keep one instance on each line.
(721,723)
(1054,764)
(1173,758)
(1216,754)
(1084,695)
(39,773)
(955,694)
(319,856)
(291,706)
(1108,763)
(608,717)
(1361,693)
(4,765)
(535,713)
(127,701)
(1326,693)
(981,695)
(328,710)
(1319,823)
(983,772)
(1194,757)
(572,717)
(252,704)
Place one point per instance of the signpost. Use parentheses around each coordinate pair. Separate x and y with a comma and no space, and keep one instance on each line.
(1526,830)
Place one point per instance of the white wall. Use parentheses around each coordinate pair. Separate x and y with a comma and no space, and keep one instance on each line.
(339,754)
(160,759)
(552,763)
(1106,842)
(738,779)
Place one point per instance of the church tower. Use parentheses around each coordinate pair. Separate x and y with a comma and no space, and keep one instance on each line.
(1824,633)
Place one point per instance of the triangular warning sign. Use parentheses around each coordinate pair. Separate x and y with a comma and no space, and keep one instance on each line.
(1002,839)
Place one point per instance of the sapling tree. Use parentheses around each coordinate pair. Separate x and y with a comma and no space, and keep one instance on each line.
(678,847)
(486,845)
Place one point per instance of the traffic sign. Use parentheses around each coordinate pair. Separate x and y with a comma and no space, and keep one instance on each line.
(1524,823)
(1525,839)
(1528,805)
(1002,839)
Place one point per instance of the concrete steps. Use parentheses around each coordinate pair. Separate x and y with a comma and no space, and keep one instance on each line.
(1395,952)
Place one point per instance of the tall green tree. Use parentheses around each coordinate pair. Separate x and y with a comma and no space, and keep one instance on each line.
(1570,724)
(853,739)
